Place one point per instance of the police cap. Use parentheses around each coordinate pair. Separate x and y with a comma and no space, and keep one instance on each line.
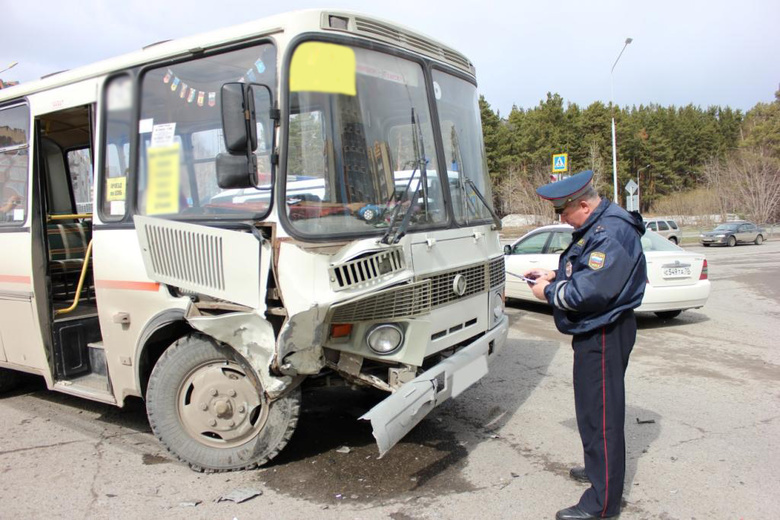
(566,190)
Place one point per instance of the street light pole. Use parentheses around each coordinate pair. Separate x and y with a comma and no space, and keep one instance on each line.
(639,186)
(612,103)
(10,66)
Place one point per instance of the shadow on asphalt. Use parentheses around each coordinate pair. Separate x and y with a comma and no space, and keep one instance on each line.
(332,456)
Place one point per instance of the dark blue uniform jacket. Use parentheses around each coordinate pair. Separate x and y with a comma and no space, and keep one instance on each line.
(602,273)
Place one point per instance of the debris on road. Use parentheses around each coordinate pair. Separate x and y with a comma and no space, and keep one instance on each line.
(240,495)
(343,449)
(645,421)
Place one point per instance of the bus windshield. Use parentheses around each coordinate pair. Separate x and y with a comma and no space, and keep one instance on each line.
(356,157)
(457,102)
(181,134)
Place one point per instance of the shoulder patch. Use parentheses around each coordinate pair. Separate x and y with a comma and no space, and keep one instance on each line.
(581,242)
(596,260)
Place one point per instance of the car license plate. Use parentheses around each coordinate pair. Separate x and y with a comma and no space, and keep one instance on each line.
(676,272)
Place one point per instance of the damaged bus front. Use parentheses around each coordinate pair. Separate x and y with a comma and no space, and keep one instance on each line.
(378,245)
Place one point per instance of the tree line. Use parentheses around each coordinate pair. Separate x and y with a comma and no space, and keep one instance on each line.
(669,151)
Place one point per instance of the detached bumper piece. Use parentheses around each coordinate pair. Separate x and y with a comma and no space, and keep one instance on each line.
(397,415)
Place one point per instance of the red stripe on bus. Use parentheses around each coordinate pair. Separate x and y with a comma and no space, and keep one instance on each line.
(127,286)
(8,278)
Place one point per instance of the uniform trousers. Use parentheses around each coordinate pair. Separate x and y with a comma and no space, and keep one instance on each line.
(600,362)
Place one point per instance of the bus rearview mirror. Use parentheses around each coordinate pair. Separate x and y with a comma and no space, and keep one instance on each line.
(239,122)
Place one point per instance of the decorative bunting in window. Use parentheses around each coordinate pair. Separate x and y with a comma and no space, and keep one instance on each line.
(189,94)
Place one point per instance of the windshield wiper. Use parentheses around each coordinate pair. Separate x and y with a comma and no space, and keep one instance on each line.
(419,156)
(496,220)
(419,159)
(463,179)
(457,157)
(397,210)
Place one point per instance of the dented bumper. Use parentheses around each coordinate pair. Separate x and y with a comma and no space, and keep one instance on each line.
(394,417)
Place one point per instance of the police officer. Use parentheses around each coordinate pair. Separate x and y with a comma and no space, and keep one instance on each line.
(599,281)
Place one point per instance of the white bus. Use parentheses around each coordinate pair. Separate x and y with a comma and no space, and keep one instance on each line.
(215,306)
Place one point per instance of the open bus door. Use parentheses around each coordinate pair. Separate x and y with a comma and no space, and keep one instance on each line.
(20,338)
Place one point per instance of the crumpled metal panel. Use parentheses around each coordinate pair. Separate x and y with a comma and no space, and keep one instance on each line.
(397,415)
(252,337)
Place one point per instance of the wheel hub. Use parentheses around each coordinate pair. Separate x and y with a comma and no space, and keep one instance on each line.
(218,405)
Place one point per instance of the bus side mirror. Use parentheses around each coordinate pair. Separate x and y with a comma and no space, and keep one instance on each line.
(507,250)
(238,118)
(240,102)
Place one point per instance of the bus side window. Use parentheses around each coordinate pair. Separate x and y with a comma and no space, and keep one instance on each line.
(80,168)
(116,148)
(14,161)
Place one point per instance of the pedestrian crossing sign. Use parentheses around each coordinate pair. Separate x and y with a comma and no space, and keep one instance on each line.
(560,163)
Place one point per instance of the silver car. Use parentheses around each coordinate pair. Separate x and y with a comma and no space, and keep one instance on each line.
(733,233)
(665,227)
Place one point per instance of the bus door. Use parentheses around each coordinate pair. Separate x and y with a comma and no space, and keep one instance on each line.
(20,337)
(64,286)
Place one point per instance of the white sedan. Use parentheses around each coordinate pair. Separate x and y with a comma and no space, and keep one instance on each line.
(677,279)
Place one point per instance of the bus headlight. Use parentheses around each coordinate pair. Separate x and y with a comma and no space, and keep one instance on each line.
(385,339)
(496,308)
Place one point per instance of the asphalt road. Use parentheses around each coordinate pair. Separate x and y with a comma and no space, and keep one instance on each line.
(703,433)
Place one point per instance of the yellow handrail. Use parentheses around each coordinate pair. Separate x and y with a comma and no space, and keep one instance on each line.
(83,275)
(68,217)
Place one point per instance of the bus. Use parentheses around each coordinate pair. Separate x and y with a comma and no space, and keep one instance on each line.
(186,224)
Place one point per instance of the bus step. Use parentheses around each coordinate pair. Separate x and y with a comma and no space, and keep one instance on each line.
(90,386)
(97,359)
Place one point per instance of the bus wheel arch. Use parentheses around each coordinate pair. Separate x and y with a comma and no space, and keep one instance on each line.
(162,331)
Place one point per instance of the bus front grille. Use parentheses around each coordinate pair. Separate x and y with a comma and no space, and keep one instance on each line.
(370,268)
(422,296)
(400,302)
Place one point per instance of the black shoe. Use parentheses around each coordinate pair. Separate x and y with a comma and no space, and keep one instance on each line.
(575,513)
(579,474)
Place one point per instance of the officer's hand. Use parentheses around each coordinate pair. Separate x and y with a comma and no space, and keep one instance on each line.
(540,274)
(538,288)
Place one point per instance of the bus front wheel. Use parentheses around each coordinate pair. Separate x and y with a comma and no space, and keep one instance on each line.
(203,404)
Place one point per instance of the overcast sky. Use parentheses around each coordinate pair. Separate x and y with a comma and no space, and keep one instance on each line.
(713,52)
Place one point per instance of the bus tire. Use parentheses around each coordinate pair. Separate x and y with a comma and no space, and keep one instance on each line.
(9,379)
(204,407)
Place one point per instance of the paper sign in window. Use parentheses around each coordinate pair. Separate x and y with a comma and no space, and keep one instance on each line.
(323,67)
(116,188)
(163,135)
(162,192)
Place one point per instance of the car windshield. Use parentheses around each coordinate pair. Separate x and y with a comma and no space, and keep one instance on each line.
(654,242)
(726,227)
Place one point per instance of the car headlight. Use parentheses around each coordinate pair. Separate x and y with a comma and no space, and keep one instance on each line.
(721,236)
(385,339)
(496,308)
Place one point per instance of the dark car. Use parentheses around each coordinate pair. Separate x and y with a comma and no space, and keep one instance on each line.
(733,233)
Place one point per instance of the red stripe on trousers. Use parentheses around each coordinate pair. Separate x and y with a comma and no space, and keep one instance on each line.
(604,417)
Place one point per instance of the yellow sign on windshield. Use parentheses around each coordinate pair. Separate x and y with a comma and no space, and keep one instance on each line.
(323,67)
(162,193)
